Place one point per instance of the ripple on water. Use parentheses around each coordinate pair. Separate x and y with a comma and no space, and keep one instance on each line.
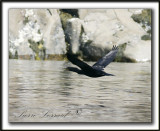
(125,97)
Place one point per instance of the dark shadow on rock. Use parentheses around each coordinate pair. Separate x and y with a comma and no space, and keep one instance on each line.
(73,12)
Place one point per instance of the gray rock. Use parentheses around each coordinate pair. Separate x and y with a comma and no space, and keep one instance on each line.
(72,32)
(37,25)
(16,23)
(51,28)
(102,28)
(108,27)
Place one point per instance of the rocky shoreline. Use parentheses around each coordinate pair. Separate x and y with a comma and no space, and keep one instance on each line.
(47,34)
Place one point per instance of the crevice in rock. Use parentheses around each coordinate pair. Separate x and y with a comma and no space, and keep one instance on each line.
(72,12)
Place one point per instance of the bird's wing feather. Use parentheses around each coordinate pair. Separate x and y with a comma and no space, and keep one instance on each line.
(84,66)
(108,58)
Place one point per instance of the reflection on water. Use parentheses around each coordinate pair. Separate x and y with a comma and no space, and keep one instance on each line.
(44,91)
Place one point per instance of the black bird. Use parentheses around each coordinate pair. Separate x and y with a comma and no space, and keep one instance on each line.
(97,69)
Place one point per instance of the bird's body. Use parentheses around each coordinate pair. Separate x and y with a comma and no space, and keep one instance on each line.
(97,69)
(93,73)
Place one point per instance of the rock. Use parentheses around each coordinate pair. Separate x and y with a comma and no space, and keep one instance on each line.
(51,28)
(72,33)
(140,52)
(36,25)
(146,37)
(108,27)
(24,50)
(64,18)
(89,33)
(16,38)
(15,21)
(72,12)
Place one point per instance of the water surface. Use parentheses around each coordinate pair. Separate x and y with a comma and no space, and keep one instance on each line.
(44,91)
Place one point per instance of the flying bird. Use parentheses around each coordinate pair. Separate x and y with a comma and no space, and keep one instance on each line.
(97,70)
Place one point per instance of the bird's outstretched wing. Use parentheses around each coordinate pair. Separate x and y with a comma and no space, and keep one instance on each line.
(85,67)
(108,58)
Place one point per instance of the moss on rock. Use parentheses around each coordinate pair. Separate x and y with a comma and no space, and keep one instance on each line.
(34,46)
(13,56)
(25,57)
(145,16)
(56,57)
(145,19)
(16,55)
(120,57)
(146,37)
(10,55)
(64,17)
(25,21)
(38,49)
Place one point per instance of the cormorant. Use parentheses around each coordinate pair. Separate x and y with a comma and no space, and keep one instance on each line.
(97,69)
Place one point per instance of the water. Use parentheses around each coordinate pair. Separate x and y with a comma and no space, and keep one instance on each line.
(44,91)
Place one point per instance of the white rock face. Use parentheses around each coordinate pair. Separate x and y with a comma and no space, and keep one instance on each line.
(73,30)
(16,38)
(51,27)
(104,27)
(141,51)
(39,25)
(108,27)
(15,21)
